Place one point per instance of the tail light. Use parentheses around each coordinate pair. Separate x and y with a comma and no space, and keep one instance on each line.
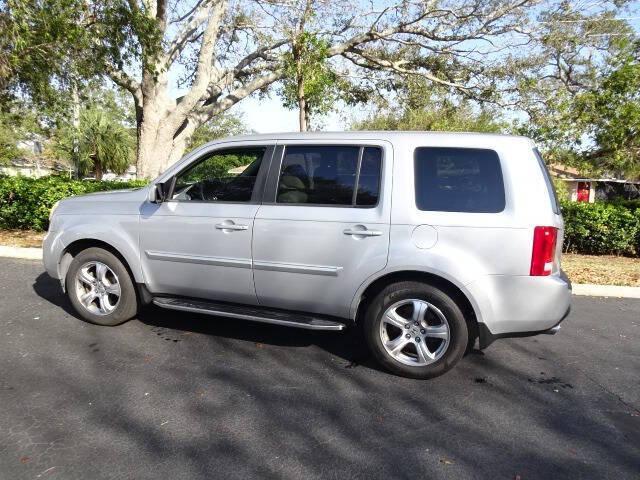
(544,246)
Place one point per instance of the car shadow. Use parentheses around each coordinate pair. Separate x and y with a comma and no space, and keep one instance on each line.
(348,345)
(50,290)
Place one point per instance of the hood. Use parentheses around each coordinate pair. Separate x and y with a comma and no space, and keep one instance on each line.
(110,195)
(113,202)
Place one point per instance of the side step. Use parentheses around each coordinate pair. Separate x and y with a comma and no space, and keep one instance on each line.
(256,314)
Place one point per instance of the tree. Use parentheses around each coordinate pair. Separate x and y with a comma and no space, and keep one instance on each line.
(597,128)
(441,116)
(414,106)
(610,116)
(8,139)
(309,83)
(38,44)
(582,99)
(222,51)
(99,144)
(224,125)
(230,50)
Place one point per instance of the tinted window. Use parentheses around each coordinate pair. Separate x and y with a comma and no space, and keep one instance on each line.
(458,180)
(326,175)
(213,180)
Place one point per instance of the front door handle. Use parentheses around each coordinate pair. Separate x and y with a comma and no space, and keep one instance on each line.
(231,226)
(362,233)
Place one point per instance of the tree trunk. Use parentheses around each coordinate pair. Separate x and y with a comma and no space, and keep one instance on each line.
(302,106)
(76,123)
(159,147)
(98,170)
(154,131)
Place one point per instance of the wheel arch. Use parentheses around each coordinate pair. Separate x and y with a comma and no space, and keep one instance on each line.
(463,299)
(74,248)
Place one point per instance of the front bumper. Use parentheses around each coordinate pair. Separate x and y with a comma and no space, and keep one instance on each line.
(52,248)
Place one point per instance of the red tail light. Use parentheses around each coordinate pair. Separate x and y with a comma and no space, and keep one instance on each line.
(544,246)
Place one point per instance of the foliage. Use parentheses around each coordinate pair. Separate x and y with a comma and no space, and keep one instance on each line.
(37,41)
(224,125)
(611,115)
(309,82)
(51,46)
(560,186)
(218,165)
(8,139)
(485,51)
(433,114)
(26,202)
(589,117)
(99,144)
(601,228)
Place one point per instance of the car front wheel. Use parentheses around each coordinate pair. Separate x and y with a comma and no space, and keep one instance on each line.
(100,288)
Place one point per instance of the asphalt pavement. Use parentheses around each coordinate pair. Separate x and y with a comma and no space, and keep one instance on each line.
(182,396)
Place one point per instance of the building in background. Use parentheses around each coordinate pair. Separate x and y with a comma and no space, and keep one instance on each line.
(589,189)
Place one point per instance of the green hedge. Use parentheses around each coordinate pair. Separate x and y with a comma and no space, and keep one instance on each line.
(601,228)
(26,202)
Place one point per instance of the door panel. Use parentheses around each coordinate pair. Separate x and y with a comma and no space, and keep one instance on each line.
(198,243)
(309,265)
(183,253)
(313,258)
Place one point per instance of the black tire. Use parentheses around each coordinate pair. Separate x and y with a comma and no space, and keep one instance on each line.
(396,292)
(127,306)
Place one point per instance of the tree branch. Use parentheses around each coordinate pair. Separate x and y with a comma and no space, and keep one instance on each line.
(205,68)
(123,80)
(198,16)
(208,110)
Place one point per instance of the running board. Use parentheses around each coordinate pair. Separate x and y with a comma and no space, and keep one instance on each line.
(256,314)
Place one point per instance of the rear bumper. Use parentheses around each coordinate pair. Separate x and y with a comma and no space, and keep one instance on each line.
(486,338)
(520,306)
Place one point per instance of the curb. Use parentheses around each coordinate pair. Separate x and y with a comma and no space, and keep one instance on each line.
(582,289)
(588,289)
(21,252)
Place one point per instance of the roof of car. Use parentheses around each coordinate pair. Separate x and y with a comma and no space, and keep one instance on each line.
(367,134)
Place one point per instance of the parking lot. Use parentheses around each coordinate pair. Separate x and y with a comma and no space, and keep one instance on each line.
(177,395)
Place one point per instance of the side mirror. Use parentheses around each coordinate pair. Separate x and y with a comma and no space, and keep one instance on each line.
(159,193)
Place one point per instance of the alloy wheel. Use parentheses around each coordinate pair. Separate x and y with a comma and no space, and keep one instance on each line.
(415,332)
(97,288)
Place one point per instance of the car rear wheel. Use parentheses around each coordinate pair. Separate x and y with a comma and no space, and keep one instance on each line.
(415,330)
(100,288)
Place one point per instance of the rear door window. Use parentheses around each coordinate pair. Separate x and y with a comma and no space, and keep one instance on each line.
(458,180)
(330,175)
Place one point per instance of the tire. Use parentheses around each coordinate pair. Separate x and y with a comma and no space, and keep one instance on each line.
(109,301)
(442,330)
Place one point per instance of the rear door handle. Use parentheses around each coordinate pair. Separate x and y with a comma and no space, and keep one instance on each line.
(362,233)
(231,226)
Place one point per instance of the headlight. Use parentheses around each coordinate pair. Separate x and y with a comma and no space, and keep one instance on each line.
(53,210)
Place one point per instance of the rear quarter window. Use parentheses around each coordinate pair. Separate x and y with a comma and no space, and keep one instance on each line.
(458,180)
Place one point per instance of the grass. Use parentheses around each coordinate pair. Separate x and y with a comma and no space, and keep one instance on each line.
(21,238)
(600,270)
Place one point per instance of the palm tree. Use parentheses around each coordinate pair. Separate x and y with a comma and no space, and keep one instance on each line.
(101,144)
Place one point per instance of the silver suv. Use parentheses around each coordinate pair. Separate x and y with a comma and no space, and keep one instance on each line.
(429,241)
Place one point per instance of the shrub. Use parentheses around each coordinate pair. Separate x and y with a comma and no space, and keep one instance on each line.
(26,202)
(630,204)
(601,228)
